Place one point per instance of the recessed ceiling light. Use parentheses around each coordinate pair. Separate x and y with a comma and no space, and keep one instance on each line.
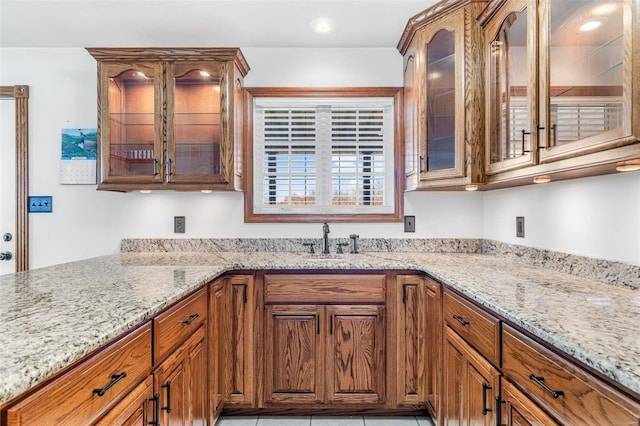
(139,74)
(205,74)
(323,25)
(592,23)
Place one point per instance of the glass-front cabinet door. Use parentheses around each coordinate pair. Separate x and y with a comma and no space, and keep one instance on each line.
(511,117)
(442,145)
(195,128)
(131,124)
(585,72)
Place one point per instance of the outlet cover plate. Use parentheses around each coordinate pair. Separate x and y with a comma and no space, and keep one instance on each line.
(179,224)
(520,226)
(409,224)
(40,204)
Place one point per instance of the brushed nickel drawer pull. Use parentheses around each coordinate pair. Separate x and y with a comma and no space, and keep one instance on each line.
(461,320)
(192,318)
(540,381)
(115,378)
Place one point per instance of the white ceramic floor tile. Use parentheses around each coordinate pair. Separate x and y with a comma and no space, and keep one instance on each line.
(284,421)
(237,421)
(424,421)
(337,421)
(391,421)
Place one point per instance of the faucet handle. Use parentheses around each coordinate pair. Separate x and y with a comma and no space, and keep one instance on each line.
(339,247)
(354,237)
(310,245)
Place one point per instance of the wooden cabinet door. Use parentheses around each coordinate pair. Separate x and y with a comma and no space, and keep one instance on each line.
(293,354)
(433,296)
(218,341)
(516,409)
(181,383)
(355,354)
(240,364)
(471,384)
(138,408)
(411,332)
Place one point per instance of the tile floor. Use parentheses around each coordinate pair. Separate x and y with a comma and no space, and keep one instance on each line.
(323,421)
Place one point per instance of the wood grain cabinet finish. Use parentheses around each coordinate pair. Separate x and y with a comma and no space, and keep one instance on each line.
(479,328)
(443,96)
(138,408)
(433,294)
(181,382)
(240,364)
(514,408)
(170,118)
(219,337)
(566,391)
(471,384)
(174,325)
(558,98)
(75,397)
(324,340)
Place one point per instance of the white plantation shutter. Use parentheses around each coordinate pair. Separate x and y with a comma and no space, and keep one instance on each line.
(323,156)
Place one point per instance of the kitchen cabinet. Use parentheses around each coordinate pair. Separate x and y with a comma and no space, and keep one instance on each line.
(433,296)
(240,363)
(471,384)
(88,391)
(169,118)
(138,408)
(561,79)
(514,408)
(321,346)
(443,95)
(219,337)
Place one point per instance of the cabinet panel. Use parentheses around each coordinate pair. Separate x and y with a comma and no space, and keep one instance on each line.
(355,354)
(517,409)
(411,330)
(294,370)
(136,409)
(434,358)
(218,341)
(240,365)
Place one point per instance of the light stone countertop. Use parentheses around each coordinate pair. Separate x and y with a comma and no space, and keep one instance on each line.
(51,317)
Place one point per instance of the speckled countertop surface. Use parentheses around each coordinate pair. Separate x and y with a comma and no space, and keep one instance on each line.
(51,317)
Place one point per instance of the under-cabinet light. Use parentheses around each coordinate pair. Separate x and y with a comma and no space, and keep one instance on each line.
(542,179)
(145,191)
(471,187)
(205,74)
(206,191)
(630,166)
(323,25)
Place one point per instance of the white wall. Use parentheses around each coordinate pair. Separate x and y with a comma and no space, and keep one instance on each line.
(596,217)
(87,223)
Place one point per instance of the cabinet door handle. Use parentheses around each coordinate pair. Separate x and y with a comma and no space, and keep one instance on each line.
(167,386)
(538,128)
(539,380)
(524,132)
(485,409)
(156,409)
(331,324)
(317,324)
(420,163)
(499,411)
(169,167)
(192,318)
(155,167)
(461,320)
(115,378)
(554,129)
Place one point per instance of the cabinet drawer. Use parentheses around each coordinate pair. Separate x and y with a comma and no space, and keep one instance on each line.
(477,327)
(176,324)
(324,288)
(73,398)
(565,390)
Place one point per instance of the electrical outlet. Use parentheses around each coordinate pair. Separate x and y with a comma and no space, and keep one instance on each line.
(409,224)
(41,204)
(520,226)
(179,224)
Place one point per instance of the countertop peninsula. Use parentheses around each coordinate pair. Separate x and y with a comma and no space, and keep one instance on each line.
(51,317)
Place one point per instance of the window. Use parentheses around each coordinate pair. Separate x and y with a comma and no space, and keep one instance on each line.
(318,158)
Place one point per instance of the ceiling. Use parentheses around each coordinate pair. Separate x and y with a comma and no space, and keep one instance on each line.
(200,23)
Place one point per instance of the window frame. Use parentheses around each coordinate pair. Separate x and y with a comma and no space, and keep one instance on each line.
(250,216)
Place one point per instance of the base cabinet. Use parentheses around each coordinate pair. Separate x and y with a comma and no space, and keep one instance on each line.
(471,384)
(218,338)
(138,408)
(514,408)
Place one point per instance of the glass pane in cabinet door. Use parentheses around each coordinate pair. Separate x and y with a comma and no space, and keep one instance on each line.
(586,57)
(197,124)
(509,84)
(131,124)
(441,97)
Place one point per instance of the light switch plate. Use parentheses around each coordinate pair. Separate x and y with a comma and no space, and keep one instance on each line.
(179,224)
(40,204)
(409,224)
(520,226)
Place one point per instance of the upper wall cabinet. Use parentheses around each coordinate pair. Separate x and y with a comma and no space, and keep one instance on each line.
(562,77)
(170,118)
(443,69)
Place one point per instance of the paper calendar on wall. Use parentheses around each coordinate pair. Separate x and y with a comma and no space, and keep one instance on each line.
(78,157)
